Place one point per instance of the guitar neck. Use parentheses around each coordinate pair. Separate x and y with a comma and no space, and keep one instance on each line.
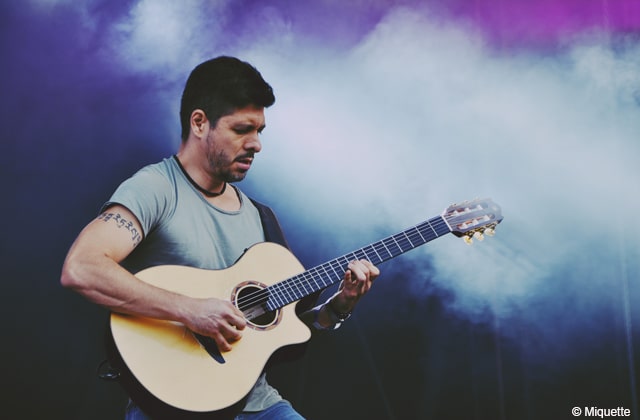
(331,272)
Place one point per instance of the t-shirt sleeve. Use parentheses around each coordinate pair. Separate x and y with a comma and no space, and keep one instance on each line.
(147,194)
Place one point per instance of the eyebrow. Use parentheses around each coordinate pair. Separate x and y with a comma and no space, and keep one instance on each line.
(247,126)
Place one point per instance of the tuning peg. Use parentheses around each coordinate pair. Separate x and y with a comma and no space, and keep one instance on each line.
(490,231)
(467,239)
(479,236)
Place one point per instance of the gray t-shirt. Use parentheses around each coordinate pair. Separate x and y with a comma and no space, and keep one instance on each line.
(181,227)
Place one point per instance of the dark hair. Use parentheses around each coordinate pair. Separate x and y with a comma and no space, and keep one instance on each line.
(220,86)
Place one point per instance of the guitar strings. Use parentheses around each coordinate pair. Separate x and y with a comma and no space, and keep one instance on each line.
(400,239)
(289,286)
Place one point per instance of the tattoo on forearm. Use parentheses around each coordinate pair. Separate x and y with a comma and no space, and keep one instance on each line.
(122,223)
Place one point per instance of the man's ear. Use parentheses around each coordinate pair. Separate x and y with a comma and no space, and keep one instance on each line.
(198,122)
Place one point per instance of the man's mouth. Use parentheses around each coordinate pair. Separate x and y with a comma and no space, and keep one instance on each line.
(245,162)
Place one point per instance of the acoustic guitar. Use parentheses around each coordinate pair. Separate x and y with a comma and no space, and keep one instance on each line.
(187,371)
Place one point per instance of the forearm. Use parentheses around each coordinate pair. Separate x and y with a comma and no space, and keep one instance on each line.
(103,281)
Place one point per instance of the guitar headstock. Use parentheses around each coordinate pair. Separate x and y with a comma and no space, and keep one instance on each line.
(473,219)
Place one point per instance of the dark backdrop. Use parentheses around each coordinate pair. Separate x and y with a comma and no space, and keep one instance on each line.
(77,119)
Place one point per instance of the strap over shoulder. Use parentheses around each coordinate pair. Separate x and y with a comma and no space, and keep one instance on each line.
(270,225)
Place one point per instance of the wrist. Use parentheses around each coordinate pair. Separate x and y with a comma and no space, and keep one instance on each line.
(336,311)
(187,310)
(322,320)
(341,302)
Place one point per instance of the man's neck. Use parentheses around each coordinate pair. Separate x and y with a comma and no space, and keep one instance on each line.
(218,193)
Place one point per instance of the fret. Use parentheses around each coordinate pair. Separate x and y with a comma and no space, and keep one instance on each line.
(408,239)
(276,297)
(432,229)
(332,269)
(398,240)
(326,274)
(379,259)
(393,244)
(294,287)
(279,293)
(307,288)
(413,238)
(289,286)
(389,255)
(310,277)
(421,237)
(360,255)
(304,286)
(286,287)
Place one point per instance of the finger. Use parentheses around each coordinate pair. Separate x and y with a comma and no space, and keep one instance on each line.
(226,335)
(359,270)
(369,270)
(234,316)
(221,342)
(365,272)
(236,321)
(356,279)
(232,334)
(350,278)
(373,270)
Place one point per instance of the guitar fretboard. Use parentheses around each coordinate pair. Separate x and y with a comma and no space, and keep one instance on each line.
(331,272)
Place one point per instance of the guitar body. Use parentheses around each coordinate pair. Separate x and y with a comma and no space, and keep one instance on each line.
(173,366)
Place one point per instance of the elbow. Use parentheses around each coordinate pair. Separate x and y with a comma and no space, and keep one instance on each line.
(67,279)
(71,277)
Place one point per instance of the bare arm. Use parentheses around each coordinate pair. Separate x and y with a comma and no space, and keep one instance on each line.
(92,269)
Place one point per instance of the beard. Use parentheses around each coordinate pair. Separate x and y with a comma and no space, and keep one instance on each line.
(221,165)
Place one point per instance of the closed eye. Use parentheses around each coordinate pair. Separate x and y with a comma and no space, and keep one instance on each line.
(242,129)
(246,129)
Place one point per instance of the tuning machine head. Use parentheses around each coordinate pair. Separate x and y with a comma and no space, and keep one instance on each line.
(479,233)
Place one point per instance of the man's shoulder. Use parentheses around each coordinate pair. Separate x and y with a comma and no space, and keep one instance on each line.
(152,180)
(158,175)
(163,168)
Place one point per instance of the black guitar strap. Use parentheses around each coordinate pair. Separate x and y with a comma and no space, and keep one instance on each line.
(270,225)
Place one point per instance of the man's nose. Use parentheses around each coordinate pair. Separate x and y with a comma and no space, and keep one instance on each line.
(253,143)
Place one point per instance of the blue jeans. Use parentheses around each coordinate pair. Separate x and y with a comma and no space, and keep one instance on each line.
(281,410)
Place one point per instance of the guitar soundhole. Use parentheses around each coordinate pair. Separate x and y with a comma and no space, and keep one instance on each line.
(251,298)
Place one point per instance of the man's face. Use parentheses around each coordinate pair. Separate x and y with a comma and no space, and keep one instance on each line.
(233,142)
